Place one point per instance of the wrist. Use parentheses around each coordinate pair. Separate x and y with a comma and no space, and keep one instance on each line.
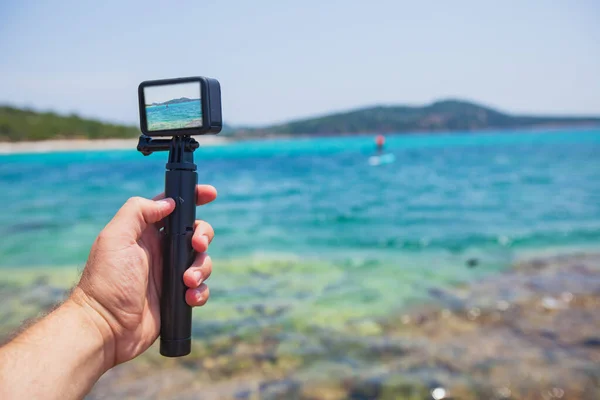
(88,314)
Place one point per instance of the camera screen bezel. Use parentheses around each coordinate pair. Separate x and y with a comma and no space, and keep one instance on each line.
(204,102)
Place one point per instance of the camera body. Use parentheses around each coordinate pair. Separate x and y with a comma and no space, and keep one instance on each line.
(180,107)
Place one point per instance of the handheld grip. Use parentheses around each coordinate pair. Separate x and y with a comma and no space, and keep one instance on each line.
(178,255)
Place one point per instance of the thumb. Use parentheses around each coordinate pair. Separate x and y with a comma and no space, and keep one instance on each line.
(137,213)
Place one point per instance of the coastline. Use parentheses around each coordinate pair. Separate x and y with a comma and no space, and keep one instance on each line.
(527,333)
(67,145)
(499,337)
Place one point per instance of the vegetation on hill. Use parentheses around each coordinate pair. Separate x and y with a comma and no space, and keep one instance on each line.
(173,101)
(21,125)
(449,115)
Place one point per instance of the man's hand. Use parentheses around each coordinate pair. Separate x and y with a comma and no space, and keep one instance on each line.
(113,313)
(121,285)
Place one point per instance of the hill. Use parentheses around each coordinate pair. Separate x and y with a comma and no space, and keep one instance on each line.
(448,115)
(22,125)
(173,101)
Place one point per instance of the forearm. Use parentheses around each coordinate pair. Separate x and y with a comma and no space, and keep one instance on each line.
(61,356)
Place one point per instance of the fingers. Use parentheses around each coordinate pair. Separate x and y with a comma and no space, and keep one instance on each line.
(194,277)
(198,272)
(137,213)
(197,297)
(203,235)
(204,194)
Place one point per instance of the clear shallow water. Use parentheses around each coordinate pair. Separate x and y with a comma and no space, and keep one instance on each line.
(309,226)
(174,116)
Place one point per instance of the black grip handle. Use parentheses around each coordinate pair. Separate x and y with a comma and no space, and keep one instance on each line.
(178,255)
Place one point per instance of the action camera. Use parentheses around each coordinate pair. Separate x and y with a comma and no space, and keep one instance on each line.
(180,107)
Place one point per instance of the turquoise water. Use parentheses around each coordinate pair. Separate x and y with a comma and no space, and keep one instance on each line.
(178,115)
(309,225)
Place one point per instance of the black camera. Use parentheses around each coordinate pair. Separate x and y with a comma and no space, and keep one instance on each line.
(180,107)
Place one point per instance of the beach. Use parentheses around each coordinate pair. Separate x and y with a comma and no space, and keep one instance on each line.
(510,336)
(507,336)
(49,146)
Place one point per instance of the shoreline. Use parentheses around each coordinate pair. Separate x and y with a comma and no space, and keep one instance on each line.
(68,145)
(497,337)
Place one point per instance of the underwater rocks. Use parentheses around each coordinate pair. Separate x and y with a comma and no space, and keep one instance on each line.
(530,333)
(23,302)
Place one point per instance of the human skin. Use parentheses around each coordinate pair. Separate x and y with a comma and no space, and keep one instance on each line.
(112,314)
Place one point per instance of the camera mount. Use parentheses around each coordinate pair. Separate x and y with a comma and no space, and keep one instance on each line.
(180,185)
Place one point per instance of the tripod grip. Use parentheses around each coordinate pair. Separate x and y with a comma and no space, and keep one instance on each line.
(178,255)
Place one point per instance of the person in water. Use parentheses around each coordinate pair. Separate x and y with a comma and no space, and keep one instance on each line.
(379,142)
(113,313)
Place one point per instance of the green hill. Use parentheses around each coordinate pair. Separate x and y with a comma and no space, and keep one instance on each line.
(448,115)
(21,125)
(173,101)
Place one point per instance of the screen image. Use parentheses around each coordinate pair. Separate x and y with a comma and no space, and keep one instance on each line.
(173,106)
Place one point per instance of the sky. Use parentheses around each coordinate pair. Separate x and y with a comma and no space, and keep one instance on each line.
(162,93)
(282,60)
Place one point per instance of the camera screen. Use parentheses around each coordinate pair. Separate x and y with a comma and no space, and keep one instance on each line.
(173,106)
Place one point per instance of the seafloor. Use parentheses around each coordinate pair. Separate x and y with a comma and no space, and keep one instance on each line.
(529,333)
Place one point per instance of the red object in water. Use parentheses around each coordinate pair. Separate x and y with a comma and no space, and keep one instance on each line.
(380,141)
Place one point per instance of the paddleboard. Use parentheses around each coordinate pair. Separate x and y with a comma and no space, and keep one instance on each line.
(382,159)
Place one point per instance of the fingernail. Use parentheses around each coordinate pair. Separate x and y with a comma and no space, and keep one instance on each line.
(204,240)
(198,295)
(197,276)
(164,203)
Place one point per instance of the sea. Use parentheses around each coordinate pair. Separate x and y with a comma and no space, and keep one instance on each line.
(312,228)
(174,116)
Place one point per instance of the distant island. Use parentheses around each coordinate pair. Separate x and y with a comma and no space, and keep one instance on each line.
(449,115)
(446,115)
(174,101)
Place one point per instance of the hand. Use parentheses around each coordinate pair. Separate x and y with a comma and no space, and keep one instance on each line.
(121,283)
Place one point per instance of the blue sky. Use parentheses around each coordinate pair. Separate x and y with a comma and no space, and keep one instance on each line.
(162,93)
(279,60)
